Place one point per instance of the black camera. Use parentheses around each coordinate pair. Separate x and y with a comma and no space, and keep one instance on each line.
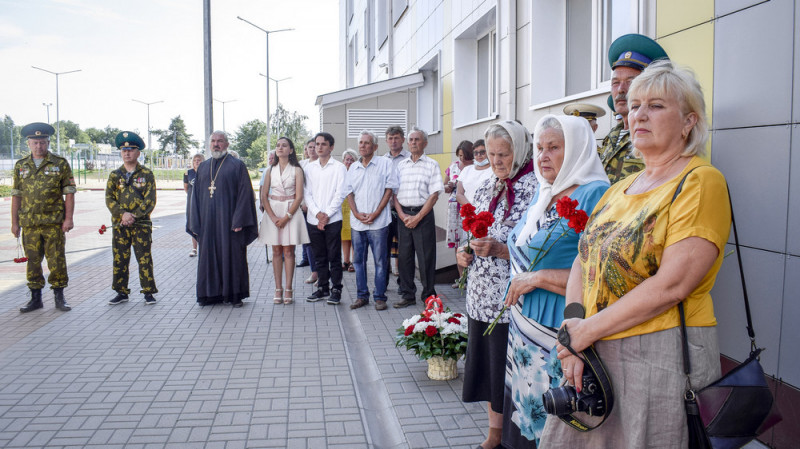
(564,400)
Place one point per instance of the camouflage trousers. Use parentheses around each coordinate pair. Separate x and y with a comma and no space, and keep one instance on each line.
(140,237)
(45,241)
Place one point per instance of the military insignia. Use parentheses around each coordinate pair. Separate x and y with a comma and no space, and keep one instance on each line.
(628,55)
(121,183)
(38,133)
(125,134)
(24,172)
(55,169)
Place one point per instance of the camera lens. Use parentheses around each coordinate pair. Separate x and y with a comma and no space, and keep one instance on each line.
(559,401)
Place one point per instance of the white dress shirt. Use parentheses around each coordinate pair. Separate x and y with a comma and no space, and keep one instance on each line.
(324,190)
(418,181)
(368,185)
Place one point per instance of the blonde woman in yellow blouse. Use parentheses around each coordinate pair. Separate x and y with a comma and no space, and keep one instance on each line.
(640,255)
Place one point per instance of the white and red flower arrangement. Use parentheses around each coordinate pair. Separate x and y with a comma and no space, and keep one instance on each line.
(436,332)
(477,227)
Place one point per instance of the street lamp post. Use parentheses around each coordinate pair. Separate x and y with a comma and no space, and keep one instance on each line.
(58,118)
(277,88)
(149,141)
(47,105)
(223,112)
(267,32)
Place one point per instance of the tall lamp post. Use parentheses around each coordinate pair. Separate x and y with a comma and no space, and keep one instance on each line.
(223,112)
(47,105)
(149,141)
(267,32)
(58,119)
(277,88)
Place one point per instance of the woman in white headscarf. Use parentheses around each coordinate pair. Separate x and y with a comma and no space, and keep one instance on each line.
(542,247)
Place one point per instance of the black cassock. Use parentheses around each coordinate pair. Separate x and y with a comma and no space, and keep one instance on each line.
(222,274)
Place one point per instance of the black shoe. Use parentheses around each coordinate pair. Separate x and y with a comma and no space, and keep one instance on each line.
(405,303)
(336,297)
(149,300)
(61,303)
(302,263)
(34,303)
(119,299)
(238,303)
(318,295)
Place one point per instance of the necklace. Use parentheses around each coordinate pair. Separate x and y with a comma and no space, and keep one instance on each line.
(658,181)
(211,174)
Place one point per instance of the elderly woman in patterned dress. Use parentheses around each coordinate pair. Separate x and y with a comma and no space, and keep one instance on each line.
(506,195)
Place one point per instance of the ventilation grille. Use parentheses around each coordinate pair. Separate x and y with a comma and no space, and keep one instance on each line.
(375,120)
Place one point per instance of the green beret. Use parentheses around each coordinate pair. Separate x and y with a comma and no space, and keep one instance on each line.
(610,102)
(129,139)
(37,130)
(634,50)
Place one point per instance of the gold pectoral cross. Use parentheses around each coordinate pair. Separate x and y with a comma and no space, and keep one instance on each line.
(211,190)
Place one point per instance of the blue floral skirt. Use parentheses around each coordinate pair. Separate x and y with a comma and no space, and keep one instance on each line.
(532,367)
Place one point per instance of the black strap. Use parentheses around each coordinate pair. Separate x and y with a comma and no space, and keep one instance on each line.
(750,331)
(594,363)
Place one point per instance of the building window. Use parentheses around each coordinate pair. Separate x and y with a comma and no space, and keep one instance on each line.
(381,22)
(570,41)
(475,71)
(429,98)
(351,61)
(398,8)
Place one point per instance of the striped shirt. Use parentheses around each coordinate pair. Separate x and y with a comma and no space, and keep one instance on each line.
(324,190)
(368,184)
(418,181)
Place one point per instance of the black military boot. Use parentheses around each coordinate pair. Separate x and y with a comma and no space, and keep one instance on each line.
(34,303)
(61,303)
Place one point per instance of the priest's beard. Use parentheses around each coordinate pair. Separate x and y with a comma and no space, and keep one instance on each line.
(218,154)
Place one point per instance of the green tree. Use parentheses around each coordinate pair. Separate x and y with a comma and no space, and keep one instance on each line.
(243,139)
(106,135)
(71,130)
(175,137)
(289,124)
(10,139)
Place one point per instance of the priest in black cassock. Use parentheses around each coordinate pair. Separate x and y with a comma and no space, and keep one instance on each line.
(223,217)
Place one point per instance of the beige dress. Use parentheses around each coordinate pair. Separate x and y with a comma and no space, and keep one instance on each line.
(281,196)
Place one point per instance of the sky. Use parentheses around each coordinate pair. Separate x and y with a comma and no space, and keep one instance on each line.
(152,50)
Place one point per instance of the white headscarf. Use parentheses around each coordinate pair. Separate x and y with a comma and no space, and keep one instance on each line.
(581,166)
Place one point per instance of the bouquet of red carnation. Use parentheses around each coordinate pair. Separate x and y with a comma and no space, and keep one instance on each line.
(102,229)
(20,253)
(476,226)
(436,332)
(567,209)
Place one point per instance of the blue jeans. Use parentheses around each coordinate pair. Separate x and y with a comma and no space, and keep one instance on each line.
(378,241)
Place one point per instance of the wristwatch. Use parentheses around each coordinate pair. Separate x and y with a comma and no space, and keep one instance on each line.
(289,214)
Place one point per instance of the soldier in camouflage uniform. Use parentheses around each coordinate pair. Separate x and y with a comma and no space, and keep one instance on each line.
(131,197)
(628,56)
(43,199)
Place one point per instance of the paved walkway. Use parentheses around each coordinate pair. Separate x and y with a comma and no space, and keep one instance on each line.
(178,375)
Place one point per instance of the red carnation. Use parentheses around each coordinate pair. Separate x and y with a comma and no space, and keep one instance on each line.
(425,320)
(566,207)
(430,331)
(578,221)
(480,229)
(453,320)
(409,330)
(467,210)
(485,216)
(468,223)
(458,315)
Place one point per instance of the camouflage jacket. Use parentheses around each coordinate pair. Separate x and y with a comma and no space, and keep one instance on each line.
(42,189)
(617,155)
(135,194)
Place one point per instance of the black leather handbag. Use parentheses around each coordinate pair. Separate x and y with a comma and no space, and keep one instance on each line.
(739,406)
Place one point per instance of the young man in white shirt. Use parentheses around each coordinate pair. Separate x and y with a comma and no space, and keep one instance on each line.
(323,195)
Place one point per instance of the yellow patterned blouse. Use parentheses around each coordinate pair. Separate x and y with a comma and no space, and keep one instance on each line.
(626,236)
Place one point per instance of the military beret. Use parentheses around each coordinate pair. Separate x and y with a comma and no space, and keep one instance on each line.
(37,130)
(585,110)
(610,102)
(129,139)
(634,50)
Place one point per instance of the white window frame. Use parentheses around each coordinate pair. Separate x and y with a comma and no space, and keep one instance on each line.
(549,61)
(429,96)
(381,23)
(466,105)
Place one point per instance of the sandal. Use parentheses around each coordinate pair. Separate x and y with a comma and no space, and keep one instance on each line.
(351,268)
(278,296)
(288,296)
(193,253)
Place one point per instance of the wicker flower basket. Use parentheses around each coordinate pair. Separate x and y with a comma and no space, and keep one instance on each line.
(442,369)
